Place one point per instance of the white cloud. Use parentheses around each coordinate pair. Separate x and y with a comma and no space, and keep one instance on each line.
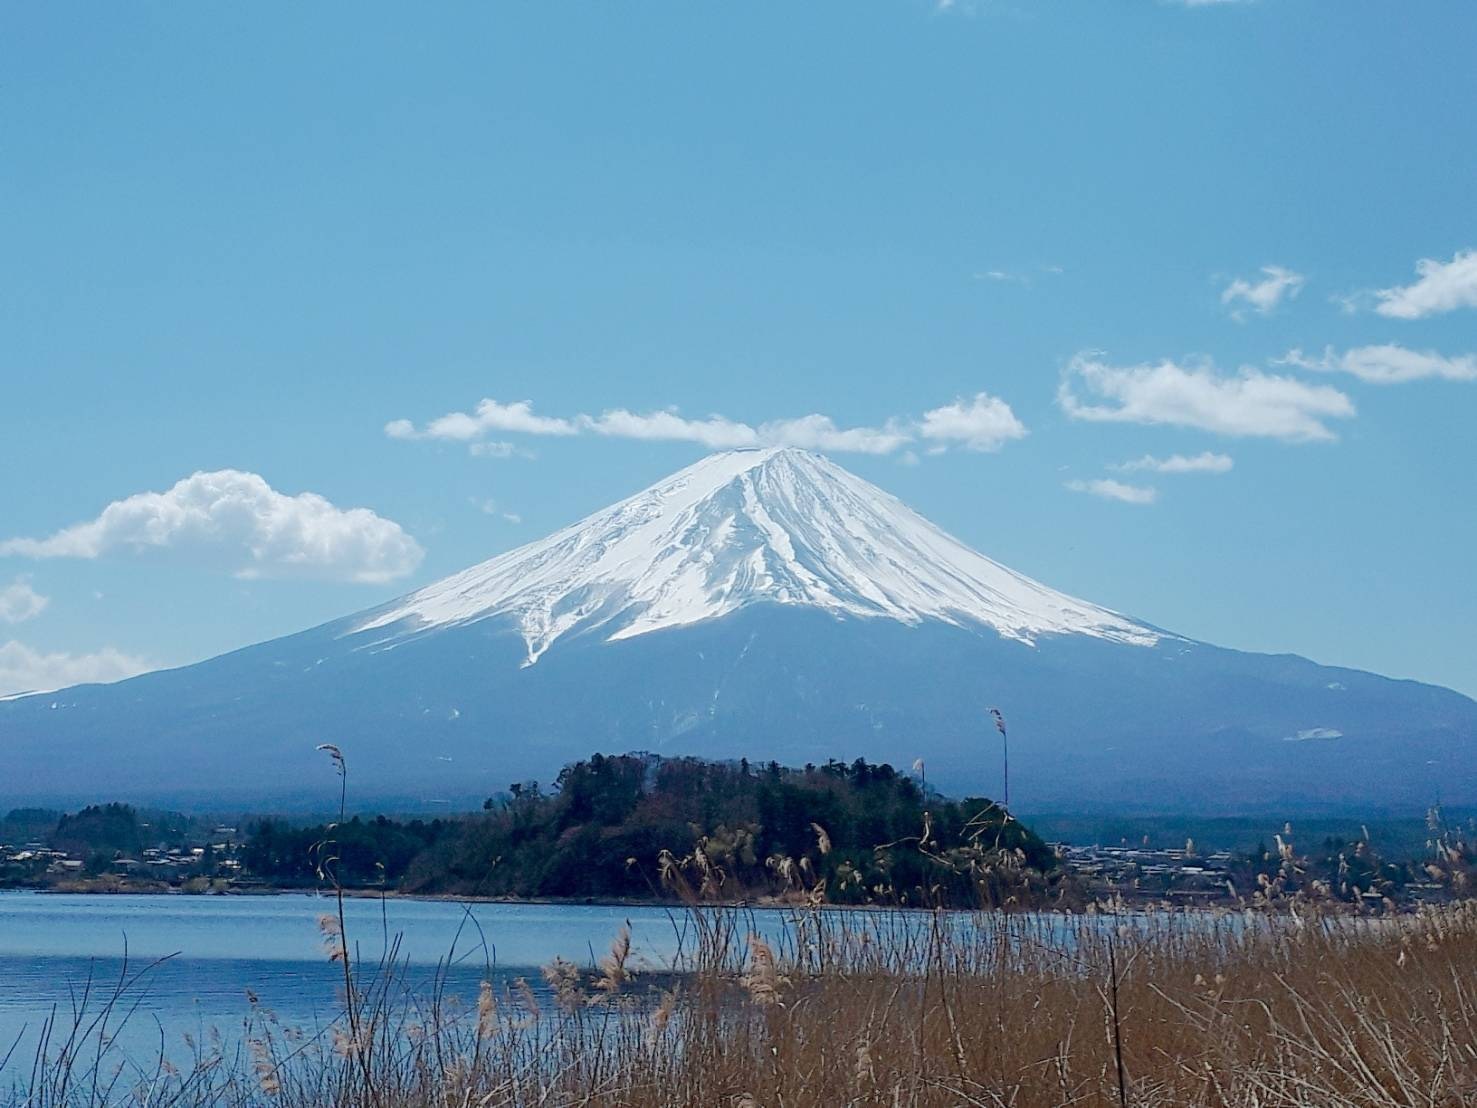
(19,602)
(812,432)
(1109,489)
(238,516)
(982,423)
(1276,285)
(1388,364)
(488,416)
(23,669)
(715,432)
(1251,403)
(817,432)
(1207,462)
(1442,287)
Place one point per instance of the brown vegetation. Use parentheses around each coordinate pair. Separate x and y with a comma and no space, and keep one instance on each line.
(889,1008)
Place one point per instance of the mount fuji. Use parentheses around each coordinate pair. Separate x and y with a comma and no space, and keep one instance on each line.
(760,603)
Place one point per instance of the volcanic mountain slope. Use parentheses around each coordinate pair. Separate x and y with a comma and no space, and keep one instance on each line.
(766,604)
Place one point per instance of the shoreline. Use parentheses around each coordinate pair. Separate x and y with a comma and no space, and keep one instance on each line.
(441,898)
(1132,904)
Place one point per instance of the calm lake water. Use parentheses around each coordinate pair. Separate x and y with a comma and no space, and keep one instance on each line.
(218,947)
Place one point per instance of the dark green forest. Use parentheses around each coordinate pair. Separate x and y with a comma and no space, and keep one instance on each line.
(640,826)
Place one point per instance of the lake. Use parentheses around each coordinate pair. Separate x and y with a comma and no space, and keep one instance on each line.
(218,947)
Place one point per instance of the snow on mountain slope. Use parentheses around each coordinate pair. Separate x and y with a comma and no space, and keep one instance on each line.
(776,525)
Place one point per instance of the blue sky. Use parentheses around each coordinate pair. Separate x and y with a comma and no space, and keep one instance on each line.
(1001,250)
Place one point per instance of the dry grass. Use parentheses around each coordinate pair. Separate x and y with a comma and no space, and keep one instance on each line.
(883,1008)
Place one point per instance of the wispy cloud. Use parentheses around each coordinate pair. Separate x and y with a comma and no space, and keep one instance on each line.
(1207,462)
(715,432)
(982,422)
(1018,276)
(239,518)
(488,416)
(813,432)
(1441,287)
(1262,297)
(19,602)
(495,449)
(1247,404)
(818,432)
(1109,489)
(1388,364)
(24,669)
(490,508)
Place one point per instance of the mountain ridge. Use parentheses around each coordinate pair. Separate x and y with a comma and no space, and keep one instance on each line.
(762,604)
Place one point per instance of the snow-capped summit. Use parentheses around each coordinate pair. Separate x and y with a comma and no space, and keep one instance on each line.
(777,525)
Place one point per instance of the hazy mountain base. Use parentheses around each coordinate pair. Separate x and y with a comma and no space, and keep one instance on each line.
(1407,837)
(453,716)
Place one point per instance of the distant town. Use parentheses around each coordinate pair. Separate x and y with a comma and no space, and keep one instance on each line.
(114,847)
(1182,877)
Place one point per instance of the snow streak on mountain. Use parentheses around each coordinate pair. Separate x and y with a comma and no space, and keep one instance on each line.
(777,525)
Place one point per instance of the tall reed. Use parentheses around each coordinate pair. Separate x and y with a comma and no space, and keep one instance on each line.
(1221,1010)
